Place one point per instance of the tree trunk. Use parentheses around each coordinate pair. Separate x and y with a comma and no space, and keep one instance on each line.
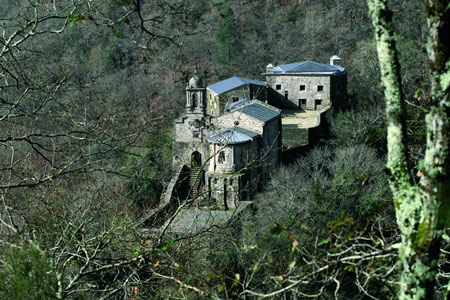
(421,210)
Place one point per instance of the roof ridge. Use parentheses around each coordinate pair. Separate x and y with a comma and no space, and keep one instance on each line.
(232,83)
(258,114)
(308,66)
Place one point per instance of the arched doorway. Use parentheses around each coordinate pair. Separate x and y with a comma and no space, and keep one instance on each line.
(196,159)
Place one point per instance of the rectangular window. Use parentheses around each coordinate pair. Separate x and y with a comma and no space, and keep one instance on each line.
(320,88)
(286,95)
(318,104)
(235,99)
(278,87)
(302,103)
(302,87)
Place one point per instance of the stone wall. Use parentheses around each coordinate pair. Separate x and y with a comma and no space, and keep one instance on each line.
(227,188)
(189,138)
(224,189)
(321,131)
(288,87)
(236,118)
(212,103)
(227,165)
(295,137)
(271,148)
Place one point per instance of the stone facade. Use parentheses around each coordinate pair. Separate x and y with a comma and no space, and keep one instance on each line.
(287,91)
(240,166)
(307,85)
(229,156)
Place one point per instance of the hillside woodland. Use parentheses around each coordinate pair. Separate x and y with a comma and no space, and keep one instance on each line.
(89,92)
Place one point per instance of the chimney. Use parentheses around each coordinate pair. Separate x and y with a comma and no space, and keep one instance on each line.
(335,60)
(269,68)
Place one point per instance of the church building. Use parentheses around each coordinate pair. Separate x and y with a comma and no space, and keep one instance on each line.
(230,155)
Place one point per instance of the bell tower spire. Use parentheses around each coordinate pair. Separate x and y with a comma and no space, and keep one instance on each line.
(195,95)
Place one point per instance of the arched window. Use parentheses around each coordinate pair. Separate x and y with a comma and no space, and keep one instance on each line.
(221,157)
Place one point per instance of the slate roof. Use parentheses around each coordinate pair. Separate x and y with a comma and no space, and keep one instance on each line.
(259,112)
(229,136)
(309,67)
(231,105)
(232,83)
(247,132)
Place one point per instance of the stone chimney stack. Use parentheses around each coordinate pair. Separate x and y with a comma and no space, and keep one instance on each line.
(269,68)
(335,60)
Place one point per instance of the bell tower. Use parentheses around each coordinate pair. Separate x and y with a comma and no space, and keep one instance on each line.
(195,96)
(191,129)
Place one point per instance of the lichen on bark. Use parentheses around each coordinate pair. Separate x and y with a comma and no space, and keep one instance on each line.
(421,210)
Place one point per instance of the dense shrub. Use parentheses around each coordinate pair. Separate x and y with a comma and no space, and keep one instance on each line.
(320,186)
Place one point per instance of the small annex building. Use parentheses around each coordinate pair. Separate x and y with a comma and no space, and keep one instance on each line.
(231,90)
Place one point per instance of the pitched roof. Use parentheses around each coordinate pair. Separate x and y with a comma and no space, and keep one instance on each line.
(231,84)
(247,132)
(229,136)
(309,67)
(232,105)
(260,112)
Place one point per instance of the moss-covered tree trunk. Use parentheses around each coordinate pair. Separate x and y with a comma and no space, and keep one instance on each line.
(421,210)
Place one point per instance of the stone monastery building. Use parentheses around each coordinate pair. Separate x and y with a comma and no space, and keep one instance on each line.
(231,135)
(307,85)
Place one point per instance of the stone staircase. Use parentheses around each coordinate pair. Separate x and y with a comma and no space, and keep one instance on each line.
(195,181)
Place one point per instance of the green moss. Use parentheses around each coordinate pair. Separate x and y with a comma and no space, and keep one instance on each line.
(445,78)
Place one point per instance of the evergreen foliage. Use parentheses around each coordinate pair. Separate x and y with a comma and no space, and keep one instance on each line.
(27,274)
(228,42)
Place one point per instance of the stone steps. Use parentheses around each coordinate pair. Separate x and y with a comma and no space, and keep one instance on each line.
(195,179)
